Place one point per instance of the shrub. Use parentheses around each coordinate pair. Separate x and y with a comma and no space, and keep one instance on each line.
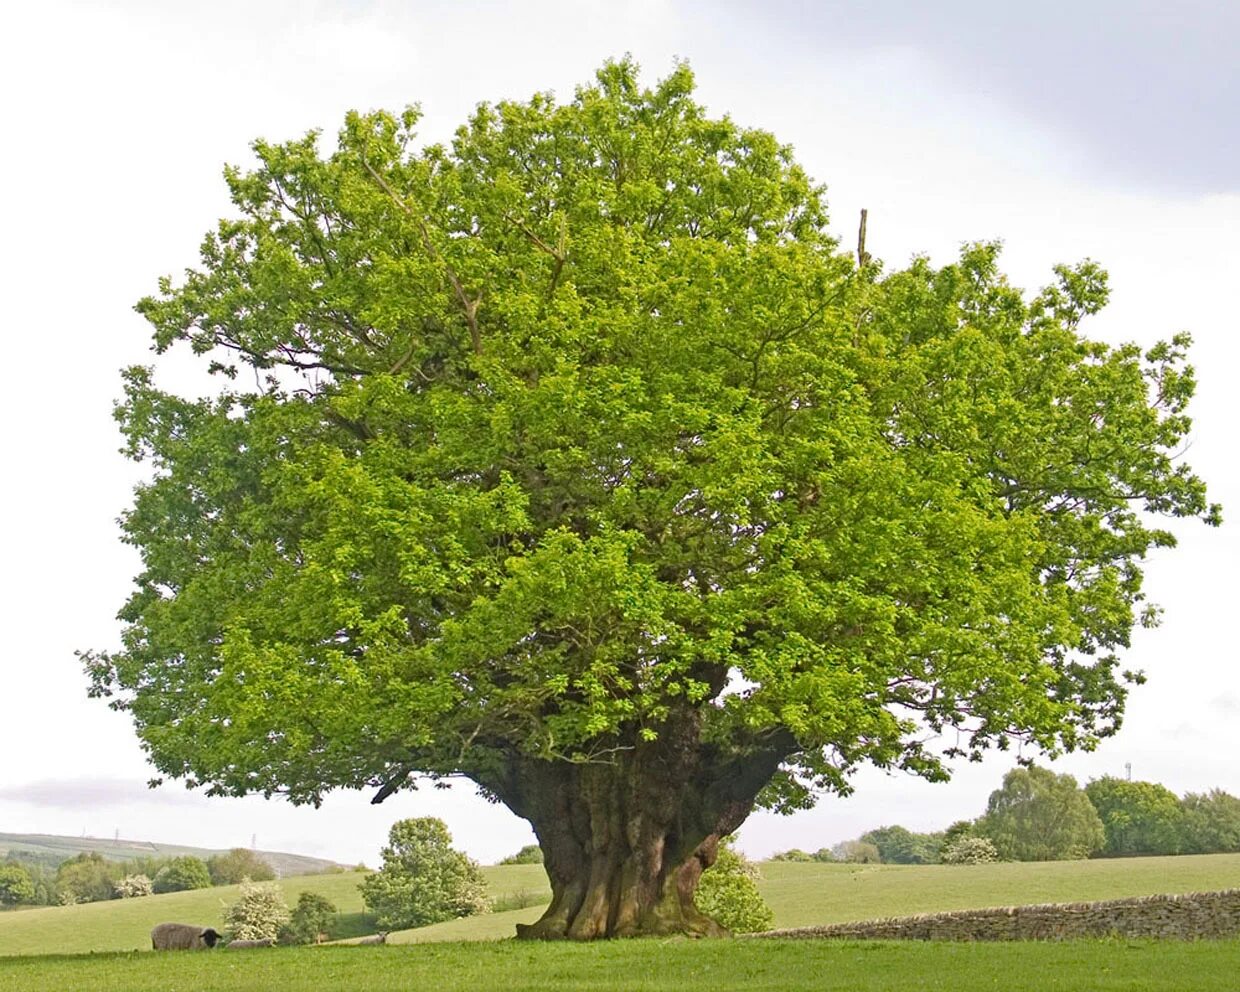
(824,854)
(531,854)
(231,867)
(259,913)
(133,887)
(309,918)
(970,851)
(728,893)
(423,880)
(794,854)
(182,874)
(857,852)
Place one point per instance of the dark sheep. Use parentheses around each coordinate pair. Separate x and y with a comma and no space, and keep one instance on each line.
(183,937)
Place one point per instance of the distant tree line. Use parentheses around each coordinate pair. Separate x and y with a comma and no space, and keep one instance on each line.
(1037,815)
(33,880)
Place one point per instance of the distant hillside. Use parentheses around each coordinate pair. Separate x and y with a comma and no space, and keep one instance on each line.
(48,847)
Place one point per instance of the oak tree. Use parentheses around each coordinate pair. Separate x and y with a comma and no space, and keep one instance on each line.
(575,457)
(1038,815)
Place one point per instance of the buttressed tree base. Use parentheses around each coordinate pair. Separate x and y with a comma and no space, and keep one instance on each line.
(578,459)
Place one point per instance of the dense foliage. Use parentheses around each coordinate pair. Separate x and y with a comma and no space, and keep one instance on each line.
(1039,816)
(133,887)
(309,920)
(900,846)
(16,885)
(234,865)
(576,458)
(259,913)
(1138,817)
(969,851)
(728,893)
(856,852)
(423,879)
(181,874)
(87,877)
(530,854)
(1211,822)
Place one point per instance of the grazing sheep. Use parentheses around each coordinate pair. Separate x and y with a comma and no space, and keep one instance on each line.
(183,937)
(379,938)
(241,945)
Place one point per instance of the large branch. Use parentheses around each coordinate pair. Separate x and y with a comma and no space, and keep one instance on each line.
(468,306)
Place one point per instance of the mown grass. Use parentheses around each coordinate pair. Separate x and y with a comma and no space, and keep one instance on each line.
(651,965)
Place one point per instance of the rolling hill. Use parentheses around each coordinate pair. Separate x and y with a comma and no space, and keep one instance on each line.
(50,848)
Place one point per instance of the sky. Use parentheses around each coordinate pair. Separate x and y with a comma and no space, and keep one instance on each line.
(1105,129)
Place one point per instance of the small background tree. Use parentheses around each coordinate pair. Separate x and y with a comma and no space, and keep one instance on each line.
(900,846)
(423,879)
(133,887)
(531,854)
(1137,817)
(857,852)
(230,868)
(182,874)
(1040,816)
(259,914)
(311,916)
(88,877)
(728,893)
(792,854)
(16,885)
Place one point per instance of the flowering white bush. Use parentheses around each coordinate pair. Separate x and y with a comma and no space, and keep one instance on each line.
(258,914)
(134,886)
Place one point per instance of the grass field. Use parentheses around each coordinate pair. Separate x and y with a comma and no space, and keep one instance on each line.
(125,924)
(649,965)
(800,895)
(803,894)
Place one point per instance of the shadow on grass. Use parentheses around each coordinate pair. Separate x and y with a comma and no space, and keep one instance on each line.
(346,925)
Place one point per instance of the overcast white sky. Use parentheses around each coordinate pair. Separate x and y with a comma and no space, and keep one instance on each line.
(1106,129)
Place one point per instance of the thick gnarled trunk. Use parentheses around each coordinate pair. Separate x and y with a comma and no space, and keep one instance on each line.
(625,840)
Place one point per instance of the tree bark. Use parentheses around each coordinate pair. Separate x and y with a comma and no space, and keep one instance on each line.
(625,841)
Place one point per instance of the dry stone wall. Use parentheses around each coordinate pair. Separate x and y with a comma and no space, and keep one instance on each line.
(1190,916)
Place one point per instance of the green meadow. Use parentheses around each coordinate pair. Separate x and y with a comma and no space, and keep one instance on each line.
(649,965)
(800,895)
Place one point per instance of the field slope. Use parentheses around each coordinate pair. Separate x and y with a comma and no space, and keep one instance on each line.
(800,895)
(809,894)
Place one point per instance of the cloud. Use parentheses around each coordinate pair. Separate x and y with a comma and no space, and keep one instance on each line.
(93,793)
(1149,90)
(1228,704)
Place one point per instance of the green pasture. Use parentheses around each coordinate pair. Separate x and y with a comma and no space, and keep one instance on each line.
(648,965)
(800,894)
(805,895)
(809,894)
